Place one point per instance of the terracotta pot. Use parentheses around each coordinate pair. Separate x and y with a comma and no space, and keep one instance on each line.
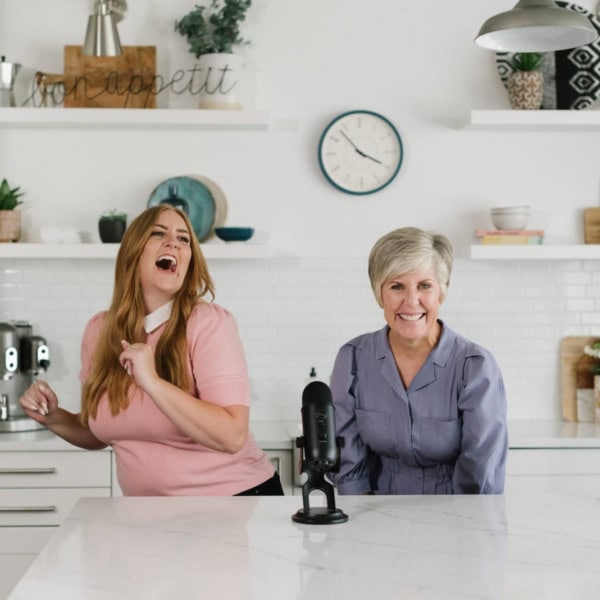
(10,225)
(526,89)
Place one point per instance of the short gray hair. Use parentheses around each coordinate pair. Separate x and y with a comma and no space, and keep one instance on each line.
(406,250)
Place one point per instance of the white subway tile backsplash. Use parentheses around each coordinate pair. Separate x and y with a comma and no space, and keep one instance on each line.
(295,313)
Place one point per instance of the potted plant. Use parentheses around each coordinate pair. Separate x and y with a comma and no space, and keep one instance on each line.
(212,33)
(111,226)
(10,218)
(526,82)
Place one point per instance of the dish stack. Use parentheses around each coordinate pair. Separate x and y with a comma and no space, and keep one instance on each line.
(510,223)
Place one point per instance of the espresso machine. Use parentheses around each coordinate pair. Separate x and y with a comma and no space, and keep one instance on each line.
(23,356)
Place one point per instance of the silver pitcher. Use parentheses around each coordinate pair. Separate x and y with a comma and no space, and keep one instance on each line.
(8,74)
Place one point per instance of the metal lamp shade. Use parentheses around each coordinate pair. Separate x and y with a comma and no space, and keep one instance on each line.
(536,26)
(101,37)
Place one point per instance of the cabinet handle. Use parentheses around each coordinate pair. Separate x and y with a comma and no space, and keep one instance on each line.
(28,471)
(27,509)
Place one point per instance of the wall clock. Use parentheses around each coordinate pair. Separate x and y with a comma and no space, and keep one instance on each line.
(360,152)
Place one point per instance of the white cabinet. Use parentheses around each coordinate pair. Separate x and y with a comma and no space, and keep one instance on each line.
(282,461)
(37,491)
(570,471)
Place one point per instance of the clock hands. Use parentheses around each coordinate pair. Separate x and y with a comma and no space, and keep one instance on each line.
(358,150)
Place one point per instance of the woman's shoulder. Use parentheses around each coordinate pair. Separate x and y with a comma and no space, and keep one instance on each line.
(95,323)
(208,316)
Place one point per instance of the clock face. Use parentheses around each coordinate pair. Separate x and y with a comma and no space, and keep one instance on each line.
(360,152)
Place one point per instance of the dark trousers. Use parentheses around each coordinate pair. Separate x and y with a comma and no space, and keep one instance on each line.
(270,487)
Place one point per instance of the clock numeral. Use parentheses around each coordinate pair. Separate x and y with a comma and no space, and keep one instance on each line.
(330,153)
(334,169)
(333,138)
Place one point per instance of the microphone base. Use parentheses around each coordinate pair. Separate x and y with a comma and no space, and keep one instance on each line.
(320,516)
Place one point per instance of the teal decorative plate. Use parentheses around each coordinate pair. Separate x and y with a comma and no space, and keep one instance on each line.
(196,198)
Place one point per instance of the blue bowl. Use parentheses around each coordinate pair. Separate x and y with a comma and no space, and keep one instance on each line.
(234,234)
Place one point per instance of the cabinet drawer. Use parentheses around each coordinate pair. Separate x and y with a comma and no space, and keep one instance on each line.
(24,540)
(12,568)
(46,506)
(549,461)
(54,469)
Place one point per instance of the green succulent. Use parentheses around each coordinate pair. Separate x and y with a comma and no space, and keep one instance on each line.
(217,29)
(9,197)
(527,61)
(113,215)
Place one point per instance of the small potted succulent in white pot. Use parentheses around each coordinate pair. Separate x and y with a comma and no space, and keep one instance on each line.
(112,226)
(212,33)
(10,217)
(526,82)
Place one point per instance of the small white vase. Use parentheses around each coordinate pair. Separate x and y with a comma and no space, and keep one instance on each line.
(220,79)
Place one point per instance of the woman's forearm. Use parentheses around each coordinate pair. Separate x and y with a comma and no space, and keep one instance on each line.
(220,428)
(66,425)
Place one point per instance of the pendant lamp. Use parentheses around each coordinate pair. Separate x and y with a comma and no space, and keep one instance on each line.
(102,37)
(536,26)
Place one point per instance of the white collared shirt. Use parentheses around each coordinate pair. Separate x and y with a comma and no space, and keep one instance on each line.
(156,318)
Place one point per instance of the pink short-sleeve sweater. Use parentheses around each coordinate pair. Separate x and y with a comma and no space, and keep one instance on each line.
(153,457)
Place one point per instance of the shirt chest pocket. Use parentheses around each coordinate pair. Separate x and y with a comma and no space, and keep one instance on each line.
(439,441)
(376,431)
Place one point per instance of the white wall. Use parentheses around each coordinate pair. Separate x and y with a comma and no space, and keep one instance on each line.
(415,63)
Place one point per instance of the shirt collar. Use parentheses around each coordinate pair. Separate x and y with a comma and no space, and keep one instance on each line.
(155,319)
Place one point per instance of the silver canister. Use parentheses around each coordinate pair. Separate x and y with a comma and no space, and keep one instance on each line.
(8,74)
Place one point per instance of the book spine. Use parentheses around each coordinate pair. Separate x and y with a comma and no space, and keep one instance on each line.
(512,240)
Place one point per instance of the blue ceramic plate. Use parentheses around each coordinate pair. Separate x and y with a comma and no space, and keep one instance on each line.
(192,196)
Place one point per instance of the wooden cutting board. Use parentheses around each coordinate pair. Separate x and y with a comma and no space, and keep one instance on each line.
(126,81)
(571,349)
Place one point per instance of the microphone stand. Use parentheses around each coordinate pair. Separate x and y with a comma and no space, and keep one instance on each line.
(316,481)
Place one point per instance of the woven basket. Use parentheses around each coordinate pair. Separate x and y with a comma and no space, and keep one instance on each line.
(10,225)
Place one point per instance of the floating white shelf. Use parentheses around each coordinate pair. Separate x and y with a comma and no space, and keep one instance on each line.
(132,118)
(535,252)
(543,120)
(211,251)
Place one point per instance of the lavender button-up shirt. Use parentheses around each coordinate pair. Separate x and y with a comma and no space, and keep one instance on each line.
(445,434)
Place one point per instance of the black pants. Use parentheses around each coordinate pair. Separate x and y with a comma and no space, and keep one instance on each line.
(270,487)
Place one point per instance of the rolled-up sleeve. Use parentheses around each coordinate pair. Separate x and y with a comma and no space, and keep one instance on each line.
(356,463)
(480,468)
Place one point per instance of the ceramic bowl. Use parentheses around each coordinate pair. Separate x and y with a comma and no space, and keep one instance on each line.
(234,234)
(510,217)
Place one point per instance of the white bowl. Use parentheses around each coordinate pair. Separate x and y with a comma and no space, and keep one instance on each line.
(505,210)
(510,221)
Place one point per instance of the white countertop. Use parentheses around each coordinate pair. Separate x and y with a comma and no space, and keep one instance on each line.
(513,547)
(276,435)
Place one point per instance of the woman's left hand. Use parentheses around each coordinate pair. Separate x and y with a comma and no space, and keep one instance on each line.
(138,360)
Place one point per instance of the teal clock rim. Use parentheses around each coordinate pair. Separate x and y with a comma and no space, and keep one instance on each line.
(362,112)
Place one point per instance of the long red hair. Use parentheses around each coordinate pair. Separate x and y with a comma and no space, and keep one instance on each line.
(124,319)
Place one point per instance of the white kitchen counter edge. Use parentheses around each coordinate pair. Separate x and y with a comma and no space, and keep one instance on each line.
(279,435)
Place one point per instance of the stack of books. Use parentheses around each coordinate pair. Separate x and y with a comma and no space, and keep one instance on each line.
(510,236)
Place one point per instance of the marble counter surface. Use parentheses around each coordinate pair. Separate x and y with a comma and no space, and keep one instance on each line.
(514,547)
(278,435)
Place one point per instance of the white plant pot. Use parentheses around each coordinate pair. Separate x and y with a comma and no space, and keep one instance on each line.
(220,81)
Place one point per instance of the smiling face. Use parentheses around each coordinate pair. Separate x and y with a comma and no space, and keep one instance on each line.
(411,304)
(165,259)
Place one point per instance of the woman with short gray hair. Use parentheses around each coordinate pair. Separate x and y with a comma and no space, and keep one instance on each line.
(422,409)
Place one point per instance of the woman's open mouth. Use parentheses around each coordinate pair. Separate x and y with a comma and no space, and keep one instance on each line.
(167,263)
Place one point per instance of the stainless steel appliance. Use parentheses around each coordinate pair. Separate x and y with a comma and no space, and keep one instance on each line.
(8,74)
(23,356)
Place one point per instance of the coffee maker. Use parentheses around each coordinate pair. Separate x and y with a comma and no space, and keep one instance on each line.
(23,356)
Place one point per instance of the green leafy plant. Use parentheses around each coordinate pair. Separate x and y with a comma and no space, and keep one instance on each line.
(9,197)
(593,350)
(113,215)
(527,61)
(213,30)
